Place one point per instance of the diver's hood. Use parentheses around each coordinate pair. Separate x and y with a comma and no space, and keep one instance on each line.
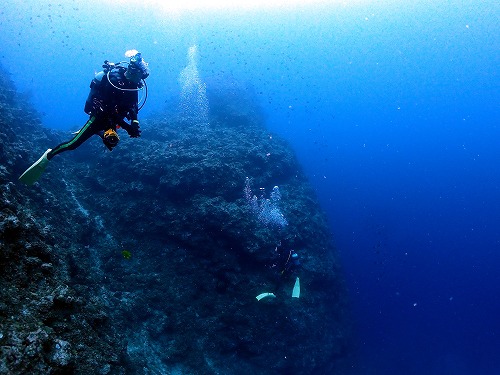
(137,64)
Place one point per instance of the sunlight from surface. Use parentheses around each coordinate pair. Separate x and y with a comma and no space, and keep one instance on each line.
(176,6)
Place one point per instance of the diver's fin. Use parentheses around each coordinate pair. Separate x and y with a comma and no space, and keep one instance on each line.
(33,173)
(296,289)
(264,295)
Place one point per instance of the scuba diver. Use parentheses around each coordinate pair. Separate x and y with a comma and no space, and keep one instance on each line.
(286,261)
(113,97)
(288,266)
(292,263)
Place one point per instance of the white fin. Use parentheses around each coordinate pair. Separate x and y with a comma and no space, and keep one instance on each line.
(264,295)
(296,289)
(33,173)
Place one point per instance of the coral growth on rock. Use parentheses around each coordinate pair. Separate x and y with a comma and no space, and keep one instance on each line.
(182,300)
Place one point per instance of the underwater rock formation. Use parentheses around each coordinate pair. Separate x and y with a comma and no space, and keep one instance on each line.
(46,325)
(148,259)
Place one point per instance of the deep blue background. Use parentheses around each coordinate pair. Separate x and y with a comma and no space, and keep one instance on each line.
(393,110)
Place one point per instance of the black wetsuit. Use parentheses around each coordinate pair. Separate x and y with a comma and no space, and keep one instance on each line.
(112,98)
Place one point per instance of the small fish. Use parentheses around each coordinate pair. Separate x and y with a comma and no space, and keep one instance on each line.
(126,254)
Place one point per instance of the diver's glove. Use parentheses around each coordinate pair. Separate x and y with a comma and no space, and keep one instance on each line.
(133,129)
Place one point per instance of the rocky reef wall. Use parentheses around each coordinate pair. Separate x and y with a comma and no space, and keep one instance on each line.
(148,259)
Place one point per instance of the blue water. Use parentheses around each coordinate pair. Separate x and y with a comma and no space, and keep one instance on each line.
(394,112)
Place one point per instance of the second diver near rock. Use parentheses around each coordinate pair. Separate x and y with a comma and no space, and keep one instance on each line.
(113,97)
(286,261)
(291,265)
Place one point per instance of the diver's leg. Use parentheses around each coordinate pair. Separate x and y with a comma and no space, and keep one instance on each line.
(88,130)
(34,172)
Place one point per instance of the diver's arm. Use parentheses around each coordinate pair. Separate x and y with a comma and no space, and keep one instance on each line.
(132,129)
(132,113)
